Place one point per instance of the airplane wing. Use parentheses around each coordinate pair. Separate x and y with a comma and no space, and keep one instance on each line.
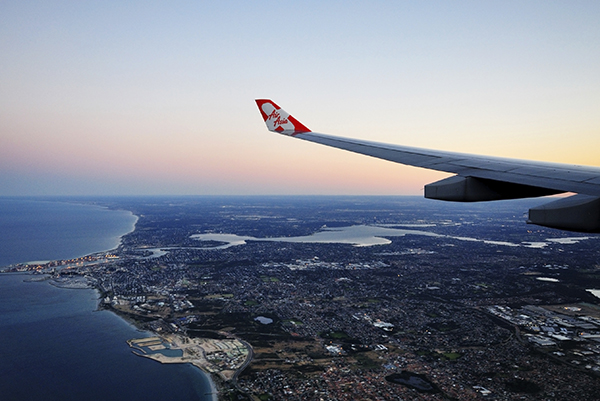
(478,178)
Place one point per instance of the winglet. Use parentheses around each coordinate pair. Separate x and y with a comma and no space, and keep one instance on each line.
(278,120)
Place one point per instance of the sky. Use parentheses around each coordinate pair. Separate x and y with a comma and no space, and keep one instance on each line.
(157,98)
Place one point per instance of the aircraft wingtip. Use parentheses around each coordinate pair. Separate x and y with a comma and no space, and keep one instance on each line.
(278,120)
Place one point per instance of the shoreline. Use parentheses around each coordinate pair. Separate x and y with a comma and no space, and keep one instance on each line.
(82,283)
(199,363)
(137,351)
(119,238)
(33,277)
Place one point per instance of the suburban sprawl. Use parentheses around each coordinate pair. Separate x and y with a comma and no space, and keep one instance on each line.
(347,298)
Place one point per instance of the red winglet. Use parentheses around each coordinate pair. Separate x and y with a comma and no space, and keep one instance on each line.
(279,120)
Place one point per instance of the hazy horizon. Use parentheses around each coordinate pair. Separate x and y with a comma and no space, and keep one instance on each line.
(145,99)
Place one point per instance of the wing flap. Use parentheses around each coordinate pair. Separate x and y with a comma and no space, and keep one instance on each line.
(567,175)
(594,181)
(485,164)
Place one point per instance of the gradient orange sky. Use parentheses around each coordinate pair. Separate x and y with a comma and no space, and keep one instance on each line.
(149,98)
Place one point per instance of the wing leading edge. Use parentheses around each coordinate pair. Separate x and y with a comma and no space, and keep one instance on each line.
(478,178)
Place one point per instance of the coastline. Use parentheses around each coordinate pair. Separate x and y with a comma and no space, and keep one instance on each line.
(214,390)
(32,275)
(31,272)
(150,347)
(114,240)
(137,351)
(61,334)
(78,283)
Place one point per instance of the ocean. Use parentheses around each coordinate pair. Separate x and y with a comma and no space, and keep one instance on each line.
(54,344)
(33,230)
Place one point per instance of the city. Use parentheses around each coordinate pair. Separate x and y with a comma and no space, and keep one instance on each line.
(467,305)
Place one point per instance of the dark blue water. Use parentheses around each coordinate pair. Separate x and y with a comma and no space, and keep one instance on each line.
(38,230)
(54,345)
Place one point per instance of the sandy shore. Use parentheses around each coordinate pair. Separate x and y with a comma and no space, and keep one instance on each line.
(220,357)
(71,283)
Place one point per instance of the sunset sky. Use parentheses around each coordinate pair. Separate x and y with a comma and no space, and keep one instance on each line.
(151,98)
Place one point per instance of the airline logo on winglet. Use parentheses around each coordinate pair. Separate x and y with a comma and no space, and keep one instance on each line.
(278,120)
